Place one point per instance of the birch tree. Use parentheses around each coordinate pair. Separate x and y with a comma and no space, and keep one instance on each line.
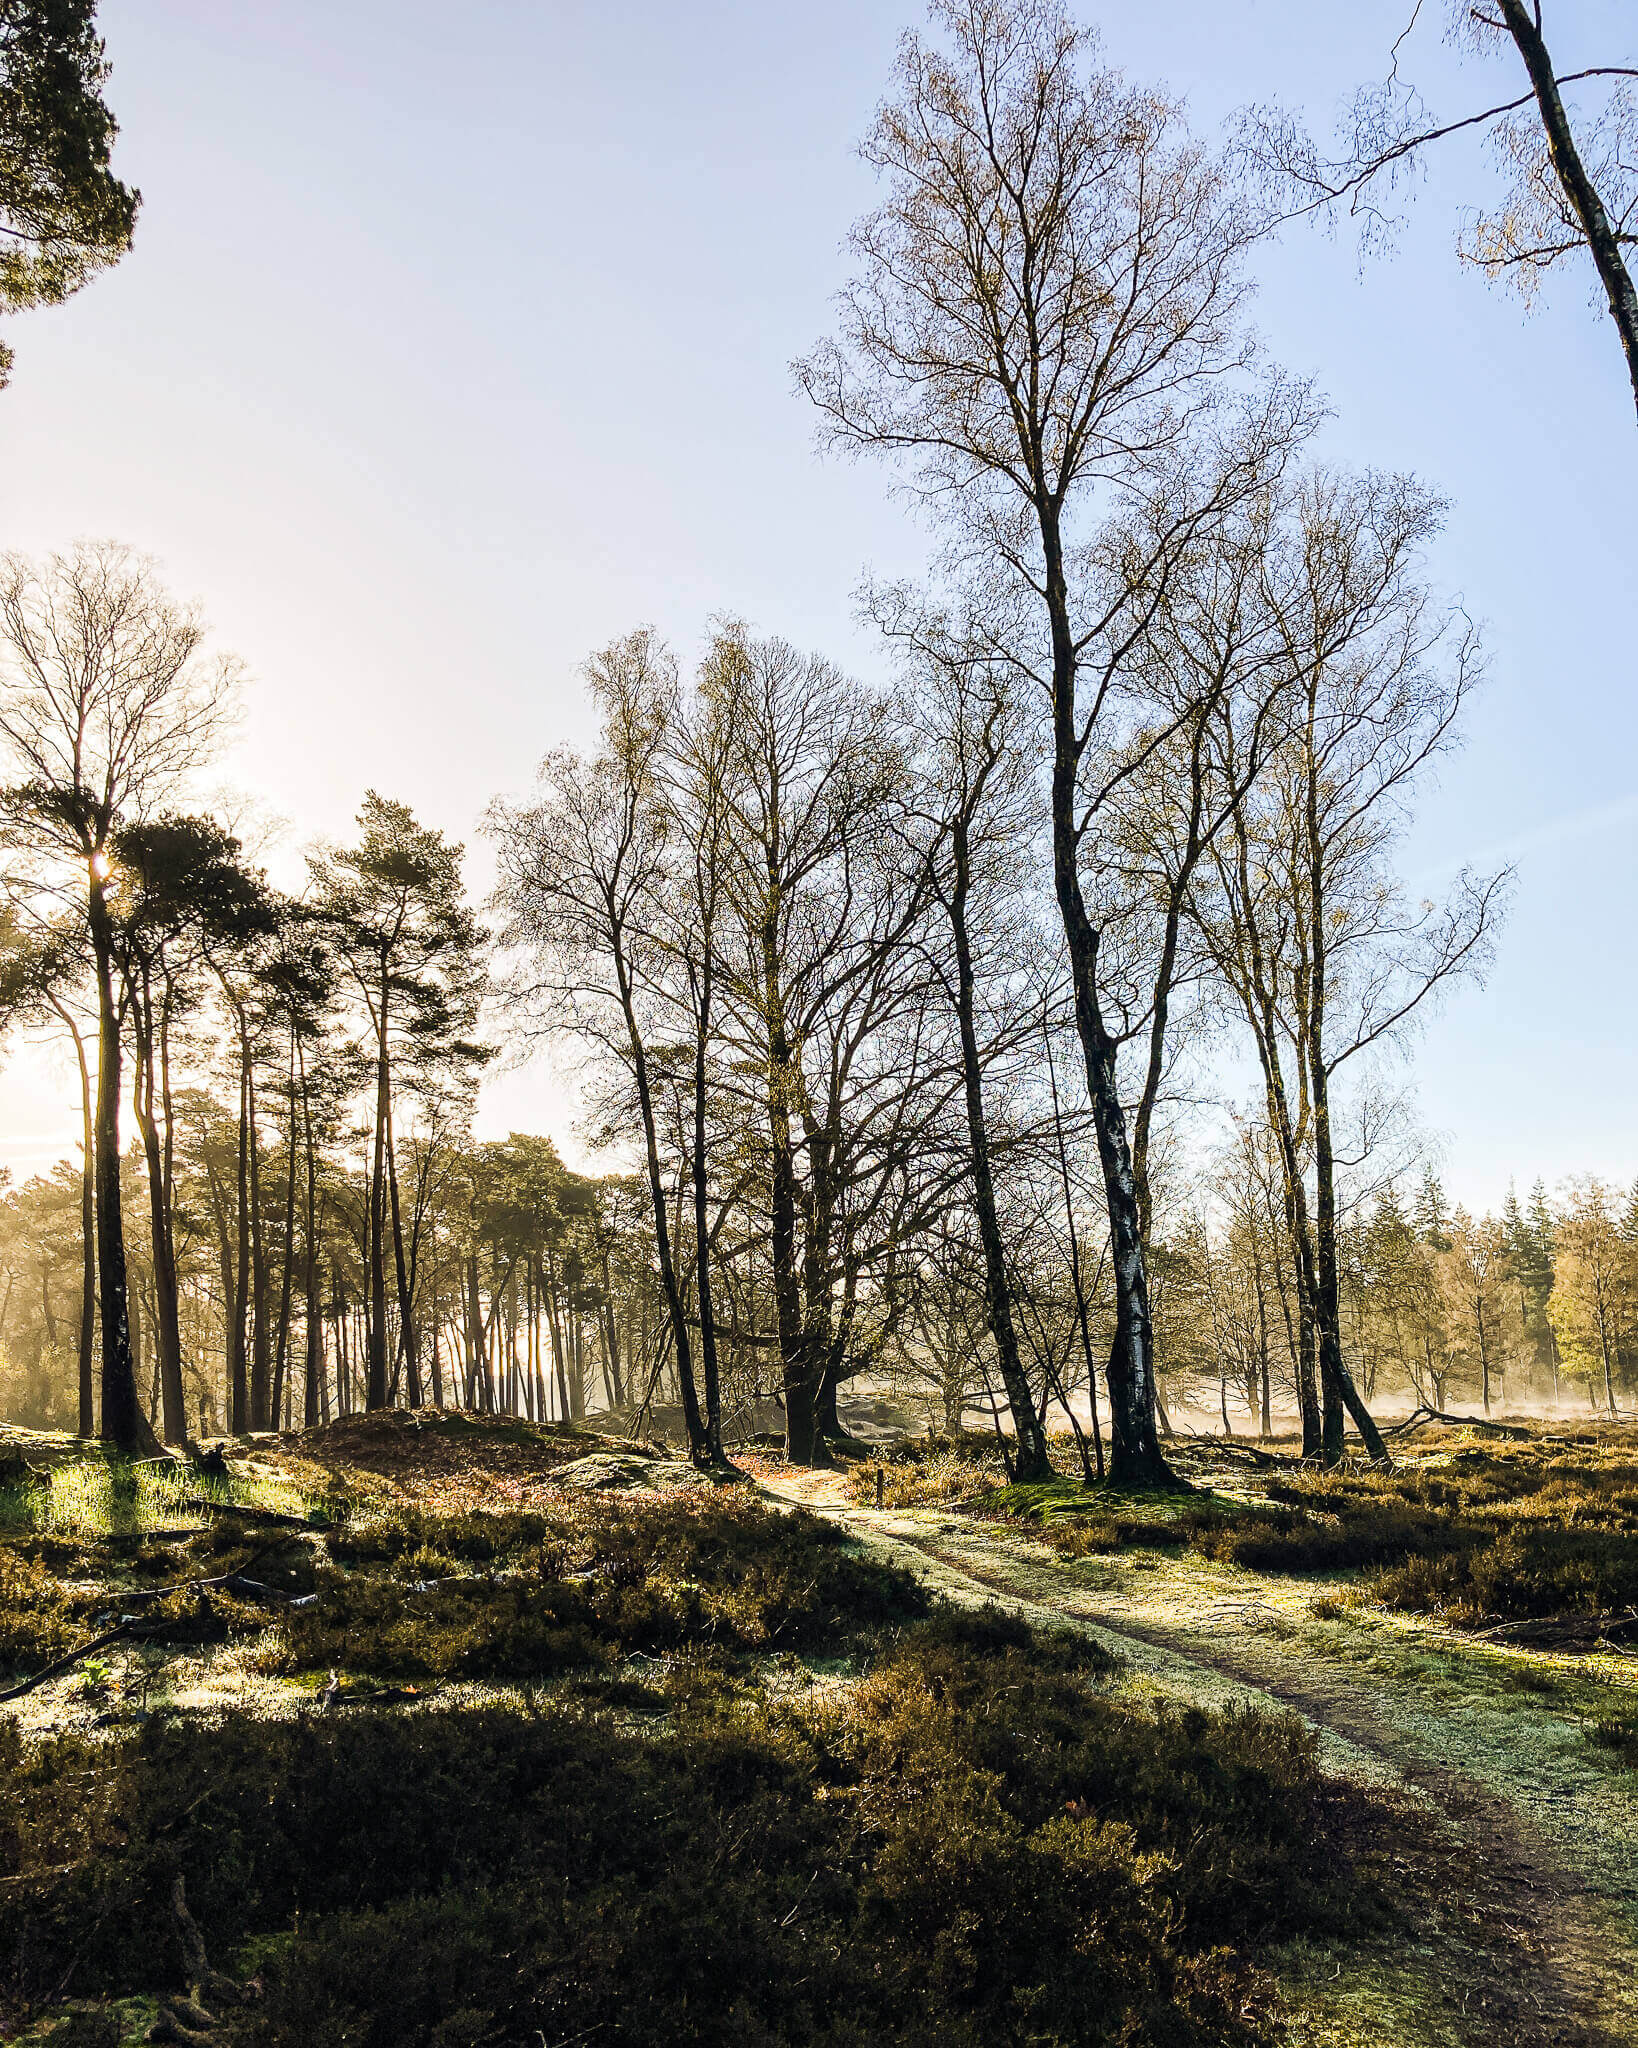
(1565,143)
(584,871)
(1045,302)
(973,810)
(1310,928)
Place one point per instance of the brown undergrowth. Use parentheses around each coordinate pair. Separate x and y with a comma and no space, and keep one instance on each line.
(1540,1530)
(748,1786)
(972,1843)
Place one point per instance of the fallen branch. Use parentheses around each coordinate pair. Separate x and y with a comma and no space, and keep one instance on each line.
(1239,1450)
(67,1663)
(206,1505)
(1418,1416)
(1543,1631)
(201,1585)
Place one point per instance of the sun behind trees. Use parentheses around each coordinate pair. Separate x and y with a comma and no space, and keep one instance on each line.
(903,1010)
(990,1080)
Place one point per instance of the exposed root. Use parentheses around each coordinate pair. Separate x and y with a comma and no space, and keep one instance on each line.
(190,2020)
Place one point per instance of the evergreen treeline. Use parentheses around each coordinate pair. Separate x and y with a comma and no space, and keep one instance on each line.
(1537,1305)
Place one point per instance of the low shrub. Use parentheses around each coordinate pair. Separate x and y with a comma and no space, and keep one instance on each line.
(1534,1530)
(1616,1730)
(1519,1572)
(914,1473)
(974,1845)
(584,1583)
(37,1622)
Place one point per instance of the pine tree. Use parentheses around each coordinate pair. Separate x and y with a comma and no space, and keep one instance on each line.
(1542,1235)
(1514,1230)
(1432,1212)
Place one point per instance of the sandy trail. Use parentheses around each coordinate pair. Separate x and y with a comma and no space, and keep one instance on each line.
(1544,1837)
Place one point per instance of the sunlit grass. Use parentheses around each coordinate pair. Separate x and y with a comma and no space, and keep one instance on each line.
(92,1498)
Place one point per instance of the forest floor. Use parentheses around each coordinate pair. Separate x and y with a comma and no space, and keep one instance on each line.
(1488,1737)
(1284,1758)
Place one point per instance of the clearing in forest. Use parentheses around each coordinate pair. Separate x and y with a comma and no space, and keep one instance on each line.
(422,1729)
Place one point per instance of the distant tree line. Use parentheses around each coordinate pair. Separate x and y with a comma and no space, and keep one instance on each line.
(1533,1307)
(900,1003)
(301,1224)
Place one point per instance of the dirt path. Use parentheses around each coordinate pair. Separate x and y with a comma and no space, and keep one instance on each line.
(1540,1840)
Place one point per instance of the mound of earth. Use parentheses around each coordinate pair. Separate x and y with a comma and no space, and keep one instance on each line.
(450,1462)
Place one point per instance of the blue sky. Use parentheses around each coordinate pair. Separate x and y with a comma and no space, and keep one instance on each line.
(455,342)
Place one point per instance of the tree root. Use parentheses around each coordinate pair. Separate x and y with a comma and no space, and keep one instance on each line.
(190,2020)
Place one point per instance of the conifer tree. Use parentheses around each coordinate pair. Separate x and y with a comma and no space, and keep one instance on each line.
(63,214)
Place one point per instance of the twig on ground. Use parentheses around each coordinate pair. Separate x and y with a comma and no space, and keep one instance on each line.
(67,1663)
(206,1505)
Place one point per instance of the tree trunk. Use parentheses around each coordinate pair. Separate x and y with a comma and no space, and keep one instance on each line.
(1484,1353)
(611,1338)
(554,1322)
(434,1312)
(238,1380)
(1177,894)
(702,1235)
(474,1335)
(1076,1275)
(1335,1380)
(1604,1348)
(1523,25)
(406,1317)
(1135,1456)
(376,1390)
(344,1364)
(1266,1429)
(1032,1462)
(261,1362)
(314,1406)
(693,1421)
(167,1328)
(1299,1235)
(123,1423)
(287,1275)
(88,1240)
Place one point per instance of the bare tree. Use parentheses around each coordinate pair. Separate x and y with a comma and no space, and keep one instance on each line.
(974,810)
(584,873)
(108,704)
(1047,300)
(1305,919)
(1572,178)
(825,996)
(701,814)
